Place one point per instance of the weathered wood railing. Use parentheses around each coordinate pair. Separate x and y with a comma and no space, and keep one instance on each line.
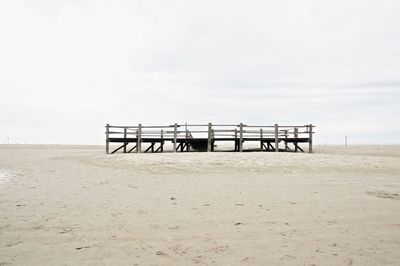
(202,137)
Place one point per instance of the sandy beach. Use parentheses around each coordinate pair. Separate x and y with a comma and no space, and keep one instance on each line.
(75,205)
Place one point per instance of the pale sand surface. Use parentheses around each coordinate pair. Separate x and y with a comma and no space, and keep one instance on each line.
(70,205)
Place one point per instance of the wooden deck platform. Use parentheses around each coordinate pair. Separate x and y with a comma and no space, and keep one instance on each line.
(204,137)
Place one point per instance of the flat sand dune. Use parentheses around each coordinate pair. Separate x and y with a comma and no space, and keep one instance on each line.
(75,205)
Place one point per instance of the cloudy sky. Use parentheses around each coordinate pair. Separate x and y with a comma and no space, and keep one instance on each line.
(69,67)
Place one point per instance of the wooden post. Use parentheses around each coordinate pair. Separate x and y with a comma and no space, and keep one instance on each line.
(107,139)
(261,137)
(236,142)
(139,139)
(209,142)
(310,138)
(286,144)
(241,137)
(125,141)
(162,140)
(276,138)
(175,135)
(296,135)
(187,137)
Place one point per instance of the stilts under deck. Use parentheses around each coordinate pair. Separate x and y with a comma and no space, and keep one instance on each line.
(204,137)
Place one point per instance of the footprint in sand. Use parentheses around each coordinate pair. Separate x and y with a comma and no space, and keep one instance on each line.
(384,195)
(160,253)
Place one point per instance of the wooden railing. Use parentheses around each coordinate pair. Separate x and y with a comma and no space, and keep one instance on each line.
(272,135)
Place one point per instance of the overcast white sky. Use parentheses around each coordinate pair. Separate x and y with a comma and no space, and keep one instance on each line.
(69,67)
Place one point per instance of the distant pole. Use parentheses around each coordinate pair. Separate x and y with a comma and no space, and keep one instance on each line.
(139,139)
(107,139)
(209,137)
(241,137)
(276,138)
(175,135)
(345,141)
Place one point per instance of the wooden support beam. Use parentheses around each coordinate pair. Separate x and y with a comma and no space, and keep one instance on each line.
(266,148)
(310,128)
(261,137)
(187,136)
(160,148)
(134,147)
(175,135)
(179,146)
(296,135)
(241,137)
(236,140)
(125,138)
(139,139)
(270,147)
(288,148)
(150,147)
(276,138)
(209,137)
(297,147)
(286,144)
(162,141)
(123,146)
(107,139)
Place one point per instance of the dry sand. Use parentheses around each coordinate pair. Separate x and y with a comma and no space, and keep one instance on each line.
(66,205)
